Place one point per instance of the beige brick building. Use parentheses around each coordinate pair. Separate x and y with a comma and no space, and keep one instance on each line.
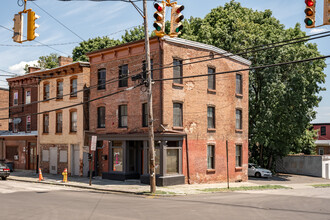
(193,117)
(61,132)
(4,103)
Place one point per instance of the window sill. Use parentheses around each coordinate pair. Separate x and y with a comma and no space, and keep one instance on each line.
(123,128)
(73,132)
(238,130)
(211,130)
(59,99)
(238,169)
(178,85)
(73,97)
(210,171)
(211,91)
(177,128)
(58,133)
(45,133)
(239,95)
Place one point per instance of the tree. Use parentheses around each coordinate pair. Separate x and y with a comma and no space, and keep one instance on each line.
(79,52)
(46,62)
(133,35)
(281,99)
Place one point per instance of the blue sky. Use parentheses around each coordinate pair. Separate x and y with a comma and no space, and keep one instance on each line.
(90,19)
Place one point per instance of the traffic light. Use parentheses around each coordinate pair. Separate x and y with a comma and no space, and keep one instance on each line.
(310,13)
(31,25)
(326,14)
(18,28)
(176,18)
(159,15)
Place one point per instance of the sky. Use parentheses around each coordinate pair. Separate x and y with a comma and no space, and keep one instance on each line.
(89,19)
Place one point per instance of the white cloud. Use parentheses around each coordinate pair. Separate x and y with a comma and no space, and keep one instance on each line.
(317,30)
(323,115)
(19,67)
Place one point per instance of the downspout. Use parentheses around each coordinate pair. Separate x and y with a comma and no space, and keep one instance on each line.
(187,155)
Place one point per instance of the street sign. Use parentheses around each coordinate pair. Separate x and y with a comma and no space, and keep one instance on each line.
(93,144)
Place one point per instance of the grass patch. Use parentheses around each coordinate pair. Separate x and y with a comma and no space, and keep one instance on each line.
(321,185)
(244,188)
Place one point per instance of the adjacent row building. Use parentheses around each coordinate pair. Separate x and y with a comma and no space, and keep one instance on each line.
(196,118)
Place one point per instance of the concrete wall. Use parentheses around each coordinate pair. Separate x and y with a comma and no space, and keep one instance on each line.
(303,165)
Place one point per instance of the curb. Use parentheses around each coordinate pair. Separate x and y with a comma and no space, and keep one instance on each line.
(97,189)
(76,186)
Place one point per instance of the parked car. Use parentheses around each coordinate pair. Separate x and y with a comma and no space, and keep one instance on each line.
(4,171)
(257,171)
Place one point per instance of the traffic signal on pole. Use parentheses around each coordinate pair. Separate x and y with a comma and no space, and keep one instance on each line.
(18,28)
(159,15)
(326,14)
(310,13)
(176,18)
(31,25)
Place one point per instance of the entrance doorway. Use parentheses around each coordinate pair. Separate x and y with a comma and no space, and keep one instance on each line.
(32,156)
(53,160)
(135,158)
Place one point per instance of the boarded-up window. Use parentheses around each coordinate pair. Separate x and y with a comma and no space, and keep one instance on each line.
(45,155)
(63,156)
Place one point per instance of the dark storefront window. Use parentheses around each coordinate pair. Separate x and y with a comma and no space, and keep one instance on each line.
(117,156)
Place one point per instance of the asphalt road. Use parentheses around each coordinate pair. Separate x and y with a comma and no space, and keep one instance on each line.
(21,200)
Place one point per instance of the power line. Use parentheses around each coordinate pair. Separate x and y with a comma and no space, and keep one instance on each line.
(58,21)
(246,69)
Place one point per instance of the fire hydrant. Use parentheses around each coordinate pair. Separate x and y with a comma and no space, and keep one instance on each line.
(65,175)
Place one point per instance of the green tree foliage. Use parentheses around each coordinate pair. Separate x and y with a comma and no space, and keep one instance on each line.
(79,52)
(135,34)
(46,62)
(281,98)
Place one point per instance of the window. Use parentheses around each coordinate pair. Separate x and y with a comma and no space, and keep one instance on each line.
(172,161)
(46,91)
(323,131)
(211,78)
(59,92)
(321,151)
(145,115)
(74,88)
(46,123)
(238,119)
(58,122)
(28,123)
(27,97)
(101,77)
(122,116)
(123,73)
(177,115)
(239,85)
(210,117)
(144,69)
(15,125)
(177,71)
(210,157)
(73,121)
(117,156)
(15,98)
(238,156)
(101,117)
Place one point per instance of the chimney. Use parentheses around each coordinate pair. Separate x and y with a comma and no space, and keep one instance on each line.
(64,60)
(32,69)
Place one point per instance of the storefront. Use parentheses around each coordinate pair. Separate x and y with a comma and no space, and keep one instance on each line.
(127,157)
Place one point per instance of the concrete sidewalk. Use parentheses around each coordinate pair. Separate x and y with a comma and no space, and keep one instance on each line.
(135,187)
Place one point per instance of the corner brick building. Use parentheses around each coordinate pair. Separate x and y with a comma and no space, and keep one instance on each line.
(193,117)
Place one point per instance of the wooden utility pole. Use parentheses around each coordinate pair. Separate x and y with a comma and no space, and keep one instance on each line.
(150,113)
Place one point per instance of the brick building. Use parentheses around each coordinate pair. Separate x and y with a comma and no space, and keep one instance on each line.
(62,132)
(4,111)
(194,117)
(19,142)
(323,138)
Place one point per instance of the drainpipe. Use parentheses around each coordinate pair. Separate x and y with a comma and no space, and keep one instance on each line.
(187,155)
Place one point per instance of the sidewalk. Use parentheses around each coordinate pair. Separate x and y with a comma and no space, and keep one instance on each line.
(135,187)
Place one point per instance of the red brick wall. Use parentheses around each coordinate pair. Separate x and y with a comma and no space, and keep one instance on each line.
(318,128)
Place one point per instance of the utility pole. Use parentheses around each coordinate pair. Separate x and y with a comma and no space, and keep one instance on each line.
(150,113)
